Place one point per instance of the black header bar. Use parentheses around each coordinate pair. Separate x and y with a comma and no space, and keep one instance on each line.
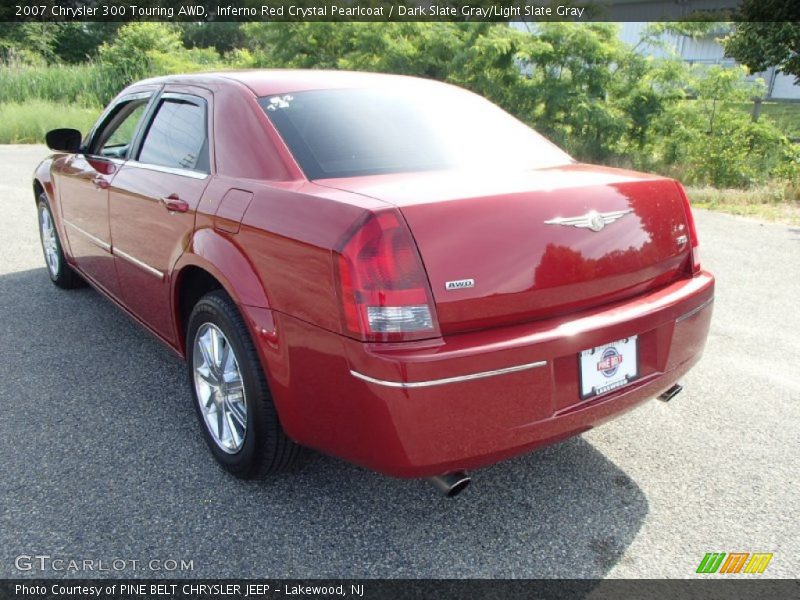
(397,10)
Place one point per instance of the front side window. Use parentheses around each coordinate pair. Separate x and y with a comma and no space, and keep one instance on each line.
(177,136)
(414,126)
(115,137)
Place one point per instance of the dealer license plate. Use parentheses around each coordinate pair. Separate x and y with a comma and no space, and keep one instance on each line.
(608,367)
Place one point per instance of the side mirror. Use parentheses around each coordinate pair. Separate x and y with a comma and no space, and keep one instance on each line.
(64,140)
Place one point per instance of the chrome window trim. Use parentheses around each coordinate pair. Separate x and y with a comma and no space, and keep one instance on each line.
(96,240)
(694,311)
(135,261)
(171,170)
(446,380)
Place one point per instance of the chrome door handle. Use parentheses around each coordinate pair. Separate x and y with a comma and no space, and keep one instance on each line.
(174,204)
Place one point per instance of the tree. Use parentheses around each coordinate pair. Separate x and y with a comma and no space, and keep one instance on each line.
(221,35)
(759,43)
(132,53)
(77,42)
(32,42)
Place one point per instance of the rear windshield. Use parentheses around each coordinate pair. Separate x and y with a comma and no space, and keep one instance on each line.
(415,127)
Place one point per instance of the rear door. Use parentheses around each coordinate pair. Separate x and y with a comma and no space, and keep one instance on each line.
(154,200)
(84,180)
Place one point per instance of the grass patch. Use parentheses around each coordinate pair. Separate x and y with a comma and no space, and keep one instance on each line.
(84,85)
(27,123)
(773,202)
(786,115)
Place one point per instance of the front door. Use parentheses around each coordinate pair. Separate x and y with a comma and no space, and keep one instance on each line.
(153,203)
(84,181)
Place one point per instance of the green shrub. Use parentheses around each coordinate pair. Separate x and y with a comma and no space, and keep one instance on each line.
(710,140)
(149,49)
(736,153)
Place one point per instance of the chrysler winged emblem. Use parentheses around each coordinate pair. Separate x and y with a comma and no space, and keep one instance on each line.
(593,220)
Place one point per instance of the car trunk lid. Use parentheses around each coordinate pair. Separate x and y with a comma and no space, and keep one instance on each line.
(514,247)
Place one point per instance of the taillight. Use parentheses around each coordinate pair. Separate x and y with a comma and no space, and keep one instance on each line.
(383,288)
(687,209)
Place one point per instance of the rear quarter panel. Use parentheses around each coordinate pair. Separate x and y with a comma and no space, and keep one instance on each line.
(289,232)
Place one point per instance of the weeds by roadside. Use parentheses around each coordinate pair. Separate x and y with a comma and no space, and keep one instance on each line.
(772,202)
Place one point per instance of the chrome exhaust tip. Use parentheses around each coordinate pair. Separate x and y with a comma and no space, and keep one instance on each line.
(671,393)
(451,484)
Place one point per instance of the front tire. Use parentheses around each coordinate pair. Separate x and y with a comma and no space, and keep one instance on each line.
(231,395)
(60,272)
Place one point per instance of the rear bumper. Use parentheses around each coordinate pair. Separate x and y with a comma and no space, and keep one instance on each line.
(469,400)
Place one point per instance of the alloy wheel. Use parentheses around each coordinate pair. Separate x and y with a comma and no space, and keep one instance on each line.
(49,241)
(219,387)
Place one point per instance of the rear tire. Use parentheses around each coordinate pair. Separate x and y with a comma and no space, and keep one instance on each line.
(59,271)
(231,396)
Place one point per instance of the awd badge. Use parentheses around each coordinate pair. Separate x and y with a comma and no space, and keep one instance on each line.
(459,284)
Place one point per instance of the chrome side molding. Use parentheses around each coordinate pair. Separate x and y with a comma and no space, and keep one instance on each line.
(694,311)
(135,261)
(95,240)
(446,380)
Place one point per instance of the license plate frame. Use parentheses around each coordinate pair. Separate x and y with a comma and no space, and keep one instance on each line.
(622,359)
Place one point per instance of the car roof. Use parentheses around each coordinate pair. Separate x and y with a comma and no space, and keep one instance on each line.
(267,82)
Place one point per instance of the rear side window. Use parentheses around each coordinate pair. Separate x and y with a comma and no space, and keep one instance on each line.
(177,136)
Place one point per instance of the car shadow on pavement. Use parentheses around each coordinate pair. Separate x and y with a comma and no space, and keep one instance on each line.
(103,458)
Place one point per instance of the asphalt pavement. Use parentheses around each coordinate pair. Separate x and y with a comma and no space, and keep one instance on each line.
(101,457)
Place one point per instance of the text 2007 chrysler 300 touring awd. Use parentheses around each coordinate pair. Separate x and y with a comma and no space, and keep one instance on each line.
(387,269)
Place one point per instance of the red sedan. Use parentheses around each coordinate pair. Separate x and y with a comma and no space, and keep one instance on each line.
(387,269)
